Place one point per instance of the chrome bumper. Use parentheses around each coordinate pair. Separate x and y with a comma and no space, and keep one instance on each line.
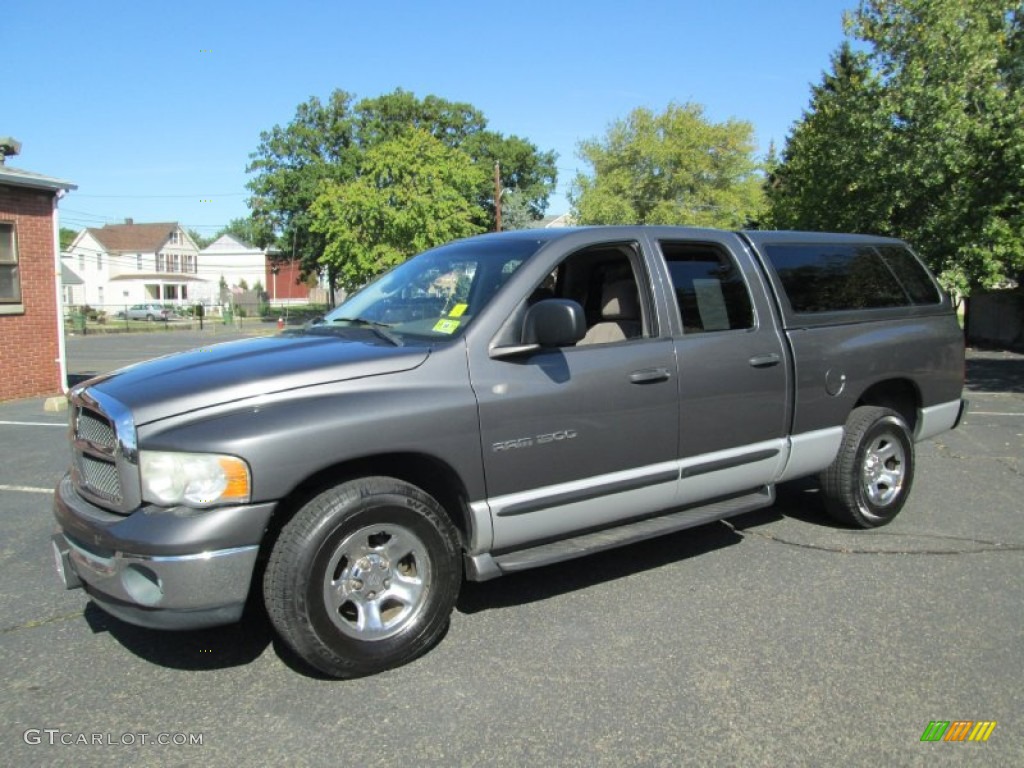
(191,591)
(183,590)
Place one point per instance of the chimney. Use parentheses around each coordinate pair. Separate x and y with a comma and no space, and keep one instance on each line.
(129,222)
(9,147)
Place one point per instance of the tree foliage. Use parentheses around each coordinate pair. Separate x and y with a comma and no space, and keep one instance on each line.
(200,241)
(67,236)
(250,230)
(327,143)
(677,167)
(919,136)
(411,192)
(516,211)
(832,176)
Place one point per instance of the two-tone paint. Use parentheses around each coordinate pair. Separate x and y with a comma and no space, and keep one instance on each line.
(537,457)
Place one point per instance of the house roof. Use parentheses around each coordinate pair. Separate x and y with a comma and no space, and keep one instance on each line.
(68,276)
(16,177)
(231,242)
(561,220)
(140,238)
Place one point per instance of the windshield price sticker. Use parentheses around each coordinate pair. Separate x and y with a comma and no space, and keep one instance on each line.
(458,310)
(446,326)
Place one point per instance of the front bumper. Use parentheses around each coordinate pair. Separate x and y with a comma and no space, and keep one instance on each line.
(166,569)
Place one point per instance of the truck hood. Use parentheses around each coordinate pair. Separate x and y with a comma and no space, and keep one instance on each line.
(237,370)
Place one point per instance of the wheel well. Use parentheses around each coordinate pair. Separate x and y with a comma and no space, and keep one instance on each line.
(900,395)
(425,472)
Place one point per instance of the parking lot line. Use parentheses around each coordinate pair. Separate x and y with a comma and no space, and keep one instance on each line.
(994,413)
(25,489)
(35,424)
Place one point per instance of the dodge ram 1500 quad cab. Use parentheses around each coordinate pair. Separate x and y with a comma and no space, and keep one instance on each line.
(495,404)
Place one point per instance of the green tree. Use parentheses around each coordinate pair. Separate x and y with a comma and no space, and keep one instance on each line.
(291,163)
(935,147)
(250,230)
(201,241)
(411,192)
(67,236)
(676,167)
(834,172)
(328,141)
(516,211)
(462,126)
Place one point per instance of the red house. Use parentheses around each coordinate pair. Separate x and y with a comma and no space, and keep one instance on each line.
(31,328)
(285,283)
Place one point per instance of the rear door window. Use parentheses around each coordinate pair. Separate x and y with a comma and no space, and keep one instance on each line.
(709,289)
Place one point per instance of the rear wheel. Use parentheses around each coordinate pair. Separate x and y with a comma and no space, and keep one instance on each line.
(364,577)
(868,483)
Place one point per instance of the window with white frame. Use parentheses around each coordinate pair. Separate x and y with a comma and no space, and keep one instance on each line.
(10,280)
(138,262)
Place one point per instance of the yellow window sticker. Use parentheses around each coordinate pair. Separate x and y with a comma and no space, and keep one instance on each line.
(446,326)
(458,310)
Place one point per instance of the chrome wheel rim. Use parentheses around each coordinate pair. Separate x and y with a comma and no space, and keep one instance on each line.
(884,470)
(377,582)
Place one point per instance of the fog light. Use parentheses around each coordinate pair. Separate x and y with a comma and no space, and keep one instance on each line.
(142,584)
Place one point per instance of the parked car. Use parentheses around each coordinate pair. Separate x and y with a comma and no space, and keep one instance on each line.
(145,312)
(496,404)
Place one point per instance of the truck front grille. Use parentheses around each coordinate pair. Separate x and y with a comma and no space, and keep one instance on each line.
(101,477)
(104,460)
(95,428)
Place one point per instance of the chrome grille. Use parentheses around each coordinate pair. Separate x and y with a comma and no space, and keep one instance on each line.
(96,429)
(101,477)
(104,464)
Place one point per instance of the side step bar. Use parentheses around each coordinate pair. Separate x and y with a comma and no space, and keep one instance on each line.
(486,566)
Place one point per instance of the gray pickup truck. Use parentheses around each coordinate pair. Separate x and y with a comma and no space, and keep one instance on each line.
(495,404)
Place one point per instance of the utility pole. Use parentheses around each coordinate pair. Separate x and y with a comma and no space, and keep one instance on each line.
(497,196)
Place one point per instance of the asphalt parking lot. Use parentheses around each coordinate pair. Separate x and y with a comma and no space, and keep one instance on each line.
(773,639)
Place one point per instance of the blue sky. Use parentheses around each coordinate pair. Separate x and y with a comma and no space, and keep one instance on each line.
(153,108)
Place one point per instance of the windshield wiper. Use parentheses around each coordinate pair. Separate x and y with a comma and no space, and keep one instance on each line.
(381,329)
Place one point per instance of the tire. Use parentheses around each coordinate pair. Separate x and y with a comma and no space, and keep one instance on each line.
(149,318)
(364,577)
(869,481)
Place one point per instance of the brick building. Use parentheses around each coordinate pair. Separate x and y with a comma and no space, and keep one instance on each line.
(31,325)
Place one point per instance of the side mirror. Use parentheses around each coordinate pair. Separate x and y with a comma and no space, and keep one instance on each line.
(548,323)
(554,323)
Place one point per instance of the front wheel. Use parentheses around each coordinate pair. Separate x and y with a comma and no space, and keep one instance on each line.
(869,481)
(364,577)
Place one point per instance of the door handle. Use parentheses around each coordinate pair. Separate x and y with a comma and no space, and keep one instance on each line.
(765,361)
(650,376)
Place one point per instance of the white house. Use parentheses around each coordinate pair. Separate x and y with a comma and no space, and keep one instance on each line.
(124,264)
(240,265)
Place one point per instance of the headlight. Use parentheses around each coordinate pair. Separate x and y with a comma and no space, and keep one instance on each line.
(193,479)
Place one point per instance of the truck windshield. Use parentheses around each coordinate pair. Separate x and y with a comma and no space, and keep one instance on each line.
(436,294)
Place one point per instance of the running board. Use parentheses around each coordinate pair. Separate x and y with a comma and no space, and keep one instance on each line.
(484,567)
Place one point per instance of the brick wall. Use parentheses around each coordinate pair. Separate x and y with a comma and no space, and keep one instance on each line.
(29,346)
